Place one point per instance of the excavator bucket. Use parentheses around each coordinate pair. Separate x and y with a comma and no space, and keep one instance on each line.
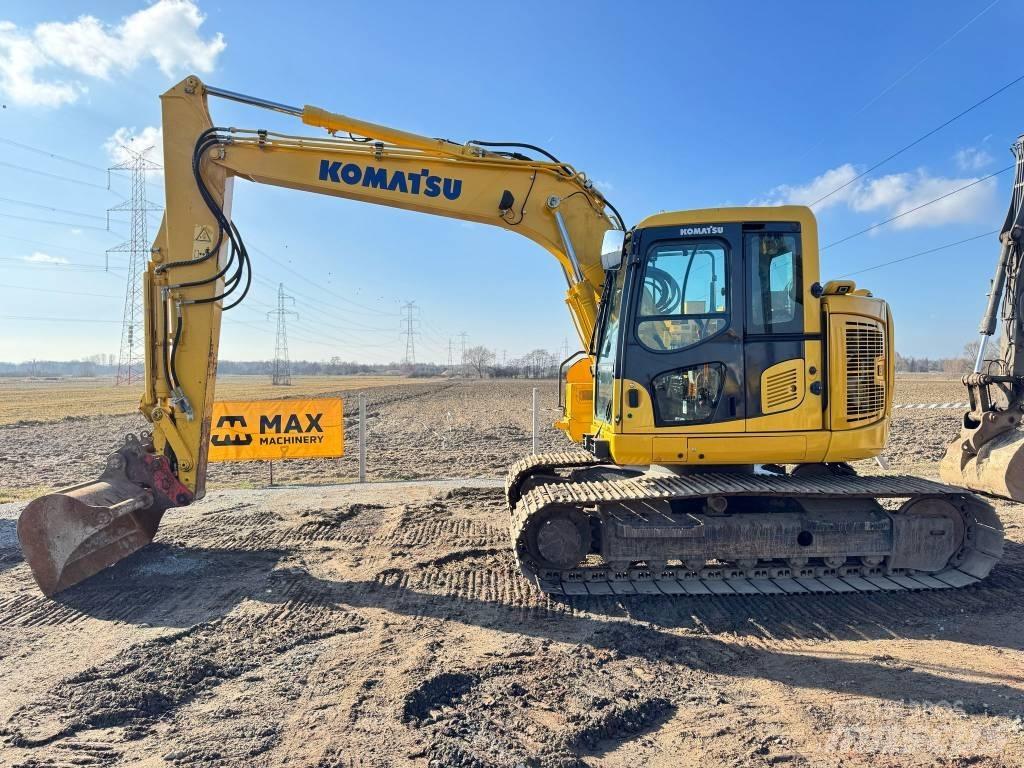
(72,534)
(996,468)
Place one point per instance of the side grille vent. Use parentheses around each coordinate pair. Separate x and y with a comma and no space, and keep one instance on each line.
(865,372)
(782,387)
(781,390)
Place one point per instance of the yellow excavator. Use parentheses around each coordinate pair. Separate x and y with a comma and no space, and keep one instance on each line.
(720,394)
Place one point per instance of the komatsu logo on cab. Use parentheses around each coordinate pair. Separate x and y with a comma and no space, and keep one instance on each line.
(422,183)
(711,229)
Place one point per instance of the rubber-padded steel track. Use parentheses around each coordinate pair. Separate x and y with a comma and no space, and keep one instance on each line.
(983,545)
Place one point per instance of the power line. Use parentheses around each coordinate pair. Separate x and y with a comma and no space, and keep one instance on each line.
(234,321)
(52,222)
(56,176)
(40,206)
(40,318)
(53,155)
(918,140)
(334,339)
(337,320)
(922,253)
(70,265)
(919,207)
(909,72)
(47,245)
(934,50)
(320,287)
(56,290)
(63,158)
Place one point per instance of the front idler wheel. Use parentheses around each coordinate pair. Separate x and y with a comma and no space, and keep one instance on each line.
(560,539)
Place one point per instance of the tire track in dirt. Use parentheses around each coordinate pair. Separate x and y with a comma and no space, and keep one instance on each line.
(152,679)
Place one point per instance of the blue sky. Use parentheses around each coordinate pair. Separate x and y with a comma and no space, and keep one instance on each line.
(667,105)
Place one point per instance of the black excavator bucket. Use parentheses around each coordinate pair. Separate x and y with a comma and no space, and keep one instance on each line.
(72,534)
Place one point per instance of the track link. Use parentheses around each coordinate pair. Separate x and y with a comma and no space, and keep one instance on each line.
(539,464)
(982,543)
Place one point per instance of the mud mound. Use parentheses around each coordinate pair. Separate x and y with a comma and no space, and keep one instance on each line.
(439,691)
(535,712)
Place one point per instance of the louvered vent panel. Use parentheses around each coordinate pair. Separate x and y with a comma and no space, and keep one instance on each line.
(865,372)
(780,390)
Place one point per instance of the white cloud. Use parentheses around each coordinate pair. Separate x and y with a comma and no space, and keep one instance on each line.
(166,32)
(972,159)
(604,186)
(38,257)
(893,195)
(818,187)
(76,231)
(971,204)
(120,145)
(19,59)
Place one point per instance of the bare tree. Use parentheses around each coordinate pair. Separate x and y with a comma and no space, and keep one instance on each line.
(480,359)
(971,354)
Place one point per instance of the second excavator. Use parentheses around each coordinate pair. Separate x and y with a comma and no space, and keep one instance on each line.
(721,390)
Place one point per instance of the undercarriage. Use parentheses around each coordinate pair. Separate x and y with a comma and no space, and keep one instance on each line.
(580,527)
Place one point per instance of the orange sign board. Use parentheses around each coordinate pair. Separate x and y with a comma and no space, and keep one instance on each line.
(277,429)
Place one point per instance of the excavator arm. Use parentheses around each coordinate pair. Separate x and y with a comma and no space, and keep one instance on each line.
(200,267)
(989,454)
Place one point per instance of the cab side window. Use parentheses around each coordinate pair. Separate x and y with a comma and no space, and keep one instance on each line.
(775,283)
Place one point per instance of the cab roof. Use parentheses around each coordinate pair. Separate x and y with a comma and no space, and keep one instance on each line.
(800,213)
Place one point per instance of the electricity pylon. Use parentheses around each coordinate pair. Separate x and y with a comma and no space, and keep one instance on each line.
(131,357)
(281,375)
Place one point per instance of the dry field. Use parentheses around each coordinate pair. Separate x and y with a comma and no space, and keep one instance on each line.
(386,625)
(26,401)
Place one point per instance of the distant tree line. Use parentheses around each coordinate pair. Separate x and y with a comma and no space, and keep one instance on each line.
(480,362)
(951,365)
(86,367)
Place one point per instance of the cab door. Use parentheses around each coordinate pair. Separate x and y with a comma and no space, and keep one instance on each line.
(782,333)
(682,362)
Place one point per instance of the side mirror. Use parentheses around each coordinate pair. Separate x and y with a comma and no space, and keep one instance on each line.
(611,248)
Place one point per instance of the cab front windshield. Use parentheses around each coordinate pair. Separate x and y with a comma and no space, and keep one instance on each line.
(608,344)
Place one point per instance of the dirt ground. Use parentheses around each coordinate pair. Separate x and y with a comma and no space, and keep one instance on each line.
(386,625)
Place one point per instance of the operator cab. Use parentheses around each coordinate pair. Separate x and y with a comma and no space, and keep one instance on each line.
(710,320)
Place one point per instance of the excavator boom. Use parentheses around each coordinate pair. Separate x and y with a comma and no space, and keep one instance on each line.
(200,267)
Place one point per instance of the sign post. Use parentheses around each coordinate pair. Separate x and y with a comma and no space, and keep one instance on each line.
(362,437)
(534,419)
